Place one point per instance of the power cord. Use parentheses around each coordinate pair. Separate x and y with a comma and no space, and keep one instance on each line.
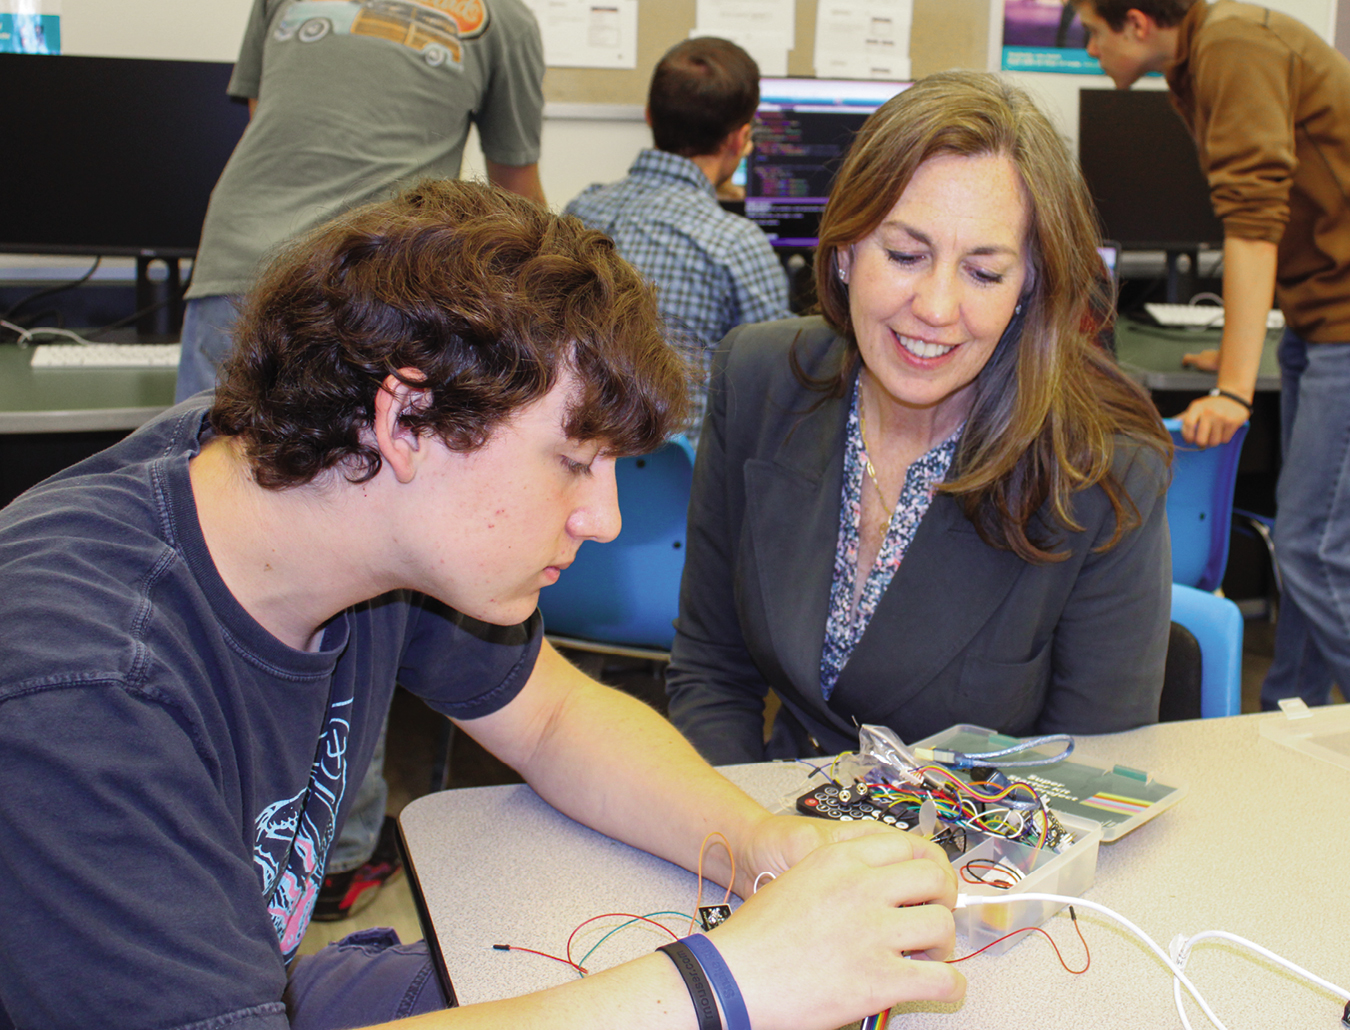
(1181,947)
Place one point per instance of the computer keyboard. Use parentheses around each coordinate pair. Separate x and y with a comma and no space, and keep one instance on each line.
(1202,315)
(105,355)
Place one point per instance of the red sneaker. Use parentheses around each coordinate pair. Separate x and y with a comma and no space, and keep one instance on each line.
(344,894)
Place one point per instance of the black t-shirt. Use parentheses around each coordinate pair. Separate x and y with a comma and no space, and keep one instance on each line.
(172,775)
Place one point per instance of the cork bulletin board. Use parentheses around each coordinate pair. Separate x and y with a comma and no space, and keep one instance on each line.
(945,34)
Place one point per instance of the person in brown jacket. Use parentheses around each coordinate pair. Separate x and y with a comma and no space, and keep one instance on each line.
(1268,104)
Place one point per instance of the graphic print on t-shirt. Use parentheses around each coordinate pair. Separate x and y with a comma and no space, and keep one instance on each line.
(435,28)
(292,836)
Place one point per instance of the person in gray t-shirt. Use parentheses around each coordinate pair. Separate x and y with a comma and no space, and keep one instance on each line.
(343,108)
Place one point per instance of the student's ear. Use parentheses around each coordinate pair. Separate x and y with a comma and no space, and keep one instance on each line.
(739,141)
(399,446)
(1142,24)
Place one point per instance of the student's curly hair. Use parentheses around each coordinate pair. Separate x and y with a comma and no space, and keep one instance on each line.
(489,297)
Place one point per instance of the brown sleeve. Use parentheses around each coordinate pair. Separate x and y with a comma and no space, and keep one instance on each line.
(1244,89)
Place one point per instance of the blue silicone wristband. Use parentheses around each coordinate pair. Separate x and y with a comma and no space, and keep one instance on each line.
(733,1005)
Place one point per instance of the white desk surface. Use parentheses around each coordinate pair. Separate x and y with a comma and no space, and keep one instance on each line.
(1257,848)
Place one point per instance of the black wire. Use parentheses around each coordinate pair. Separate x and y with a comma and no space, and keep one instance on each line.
(50,291)
(135,315)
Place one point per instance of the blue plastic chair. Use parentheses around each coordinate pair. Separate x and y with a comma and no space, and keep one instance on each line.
(622,597)
(1200,508)
(1216,624)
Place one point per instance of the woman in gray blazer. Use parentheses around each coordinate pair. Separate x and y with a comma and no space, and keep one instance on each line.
(941,502)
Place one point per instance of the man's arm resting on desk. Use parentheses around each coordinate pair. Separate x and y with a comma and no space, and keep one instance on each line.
(1248,289)
(612,763)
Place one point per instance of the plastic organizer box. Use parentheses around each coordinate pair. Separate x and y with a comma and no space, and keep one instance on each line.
(1095,803)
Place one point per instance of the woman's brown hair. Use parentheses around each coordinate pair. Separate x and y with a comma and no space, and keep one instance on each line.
(1050,402)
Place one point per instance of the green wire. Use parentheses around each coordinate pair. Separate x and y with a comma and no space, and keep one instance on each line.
(650,915)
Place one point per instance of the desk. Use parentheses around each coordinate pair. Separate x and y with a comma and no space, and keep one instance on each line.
(1152,355)
(497,865)
(78,400)
(51,418)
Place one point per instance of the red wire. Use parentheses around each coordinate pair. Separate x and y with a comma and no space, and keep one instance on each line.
(612,915)
(1087,964)
(544,954)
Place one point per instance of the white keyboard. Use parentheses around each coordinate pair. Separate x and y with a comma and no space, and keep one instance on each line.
(1202,315)
(105,355)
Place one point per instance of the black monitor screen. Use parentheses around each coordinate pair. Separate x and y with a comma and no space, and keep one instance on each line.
(1141,166)
(108,155)
(803,129)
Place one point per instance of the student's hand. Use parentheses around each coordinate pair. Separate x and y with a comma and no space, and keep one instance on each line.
(1205,360)
(1210,421)
(828,942)
(781,841)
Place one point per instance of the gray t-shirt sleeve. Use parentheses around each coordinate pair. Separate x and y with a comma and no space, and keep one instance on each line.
(247,75)
(511,117)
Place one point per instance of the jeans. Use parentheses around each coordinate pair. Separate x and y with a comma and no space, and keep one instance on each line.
(367,978)
(361,832)
(1312,523)
(207,322)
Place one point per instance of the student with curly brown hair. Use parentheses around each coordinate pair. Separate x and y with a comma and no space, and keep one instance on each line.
(203,626)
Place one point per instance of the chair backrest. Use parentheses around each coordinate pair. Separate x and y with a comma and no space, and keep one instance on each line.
(1200,507)
(627,592)
(1216,624)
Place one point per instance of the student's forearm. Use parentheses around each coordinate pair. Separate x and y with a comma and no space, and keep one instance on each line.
(611,762)
(522,179)
(1248,287)
(646,992)
(1248,290)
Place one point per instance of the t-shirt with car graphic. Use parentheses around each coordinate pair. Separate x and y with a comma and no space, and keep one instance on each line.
(356,97)
(433,29)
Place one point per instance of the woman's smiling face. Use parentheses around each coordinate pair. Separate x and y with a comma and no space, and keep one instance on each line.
(932,288)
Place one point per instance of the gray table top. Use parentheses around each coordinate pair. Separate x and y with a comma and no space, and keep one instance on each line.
(1239,853)
(1152,355)
(66,400)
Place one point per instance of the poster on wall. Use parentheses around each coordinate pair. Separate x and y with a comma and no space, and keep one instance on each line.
(586,34)
(30,26)
(1045,36)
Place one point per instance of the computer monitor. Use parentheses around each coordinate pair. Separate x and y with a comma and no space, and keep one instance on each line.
(803,129)
(112,156)
(1140,164)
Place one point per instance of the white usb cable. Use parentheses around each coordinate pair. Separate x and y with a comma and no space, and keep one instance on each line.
(1181,947)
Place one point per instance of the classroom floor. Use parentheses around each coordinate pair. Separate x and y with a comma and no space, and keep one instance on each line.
(414,734)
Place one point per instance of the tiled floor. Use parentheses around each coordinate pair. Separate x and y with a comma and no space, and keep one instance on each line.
(415,733)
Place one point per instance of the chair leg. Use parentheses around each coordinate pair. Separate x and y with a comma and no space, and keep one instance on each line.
(1260,528)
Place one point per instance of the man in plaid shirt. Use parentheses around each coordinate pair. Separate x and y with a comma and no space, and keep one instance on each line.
(713,270)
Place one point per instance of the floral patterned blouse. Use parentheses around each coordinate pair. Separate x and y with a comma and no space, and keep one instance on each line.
(844,627)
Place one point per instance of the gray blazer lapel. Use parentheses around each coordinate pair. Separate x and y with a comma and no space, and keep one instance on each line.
(947,588)
(793,517)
